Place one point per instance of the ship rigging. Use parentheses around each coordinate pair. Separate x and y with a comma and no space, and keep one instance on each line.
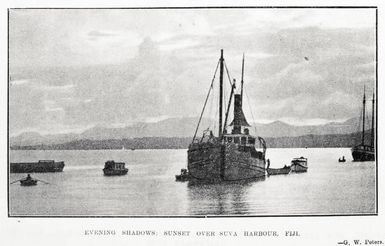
(365,151)
(227,156)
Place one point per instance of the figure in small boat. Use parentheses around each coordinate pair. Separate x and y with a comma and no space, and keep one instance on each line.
(28,181)
(342,159)
(183,176)
(277,171)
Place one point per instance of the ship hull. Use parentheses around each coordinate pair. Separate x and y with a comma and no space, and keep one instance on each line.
(298,168)
(109,172)
(363,153)
(223,162)
(278,171)
(299,165)
(36,167)
(28,182)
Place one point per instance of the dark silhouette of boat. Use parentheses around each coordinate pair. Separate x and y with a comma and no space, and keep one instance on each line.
(42,166)
(364,151)
(228,156)
(342,159)
(277,171)
(112,168)
(299,165)
(183,176)
(29,181)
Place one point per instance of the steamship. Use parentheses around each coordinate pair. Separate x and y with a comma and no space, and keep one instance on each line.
(229,156)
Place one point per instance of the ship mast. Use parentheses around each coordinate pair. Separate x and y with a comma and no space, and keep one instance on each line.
(363,120)
(220,94)
(243,66)
(372,140)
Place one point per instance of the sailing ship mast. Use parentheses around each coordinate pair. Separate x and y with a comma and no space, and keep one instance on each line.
(243,69)
(365,152)
(230,156)
(220,133)
(372,135)
(363,121)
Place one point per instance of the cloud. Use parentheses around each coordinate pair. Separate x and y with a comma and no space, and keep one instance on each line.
(96,33)
(143,65)
(19,82)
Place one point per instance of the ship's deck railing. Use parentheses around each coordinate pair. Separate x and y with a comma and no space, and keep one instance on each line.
(114,165)
(364,147)
(242,139)
(299,160)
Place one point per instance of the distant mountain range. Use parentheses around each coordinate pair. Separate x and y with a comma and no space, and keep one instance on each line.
(307,141)
(179,128)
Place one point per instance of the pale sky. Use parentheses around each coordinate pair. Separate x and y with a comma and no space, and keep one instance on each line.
(74,69)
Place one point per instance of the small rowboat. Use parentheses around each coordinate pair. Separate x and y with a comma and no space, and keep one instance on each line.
(28,182)
(277,171)
(183,176)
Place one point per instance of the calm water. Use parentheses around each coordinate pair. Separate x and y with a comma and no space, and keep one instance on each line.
(149,188)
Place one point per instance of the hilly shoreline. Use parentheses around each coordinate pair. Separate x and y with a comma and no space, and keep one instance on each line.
(175,133)
(307,141)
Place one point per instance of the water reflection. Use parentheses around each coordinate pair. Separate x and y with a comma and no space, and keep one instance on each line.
(205,198)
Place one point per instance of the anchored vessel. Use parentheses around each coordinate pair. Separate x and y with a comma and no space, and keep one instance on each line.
(42,166)
(364,151)
(112,168)
(277,171)
(28,181)
(299,165)
(183,176)
(228,156)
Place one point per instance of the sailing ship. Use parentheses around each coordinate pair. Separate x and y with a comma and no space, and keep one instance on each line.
(228,156)
(364,151)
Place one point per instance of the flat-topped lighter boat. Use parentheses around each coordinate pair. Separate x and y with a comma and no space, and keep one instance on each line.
(42,166)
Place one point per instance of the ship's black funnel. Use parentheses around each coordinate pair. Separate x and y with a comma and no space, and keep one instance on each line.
(239,118)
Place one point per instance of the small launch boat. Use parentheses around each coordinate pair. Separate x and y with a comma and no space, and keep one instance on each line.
(299,165)
(112,168)
(183,176)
